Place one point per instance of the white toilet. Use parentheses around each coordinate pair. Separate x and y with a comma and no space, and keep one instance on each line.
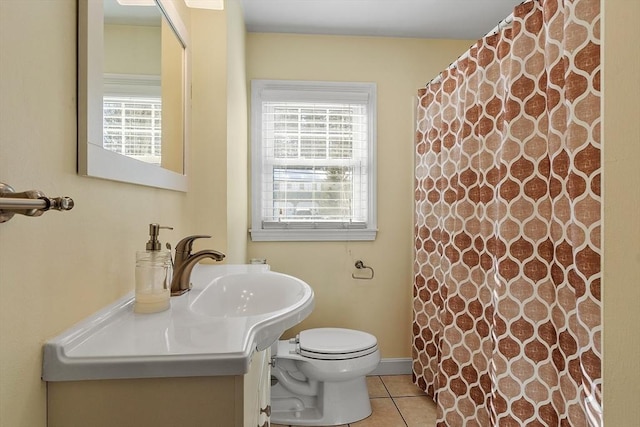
(320,377)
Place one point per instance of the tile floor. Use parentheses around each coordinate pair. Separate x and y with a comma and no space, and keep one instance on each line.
(396,402)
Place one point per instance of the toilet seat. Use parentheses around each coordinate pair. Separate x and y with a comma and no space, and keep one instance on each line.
(335,343)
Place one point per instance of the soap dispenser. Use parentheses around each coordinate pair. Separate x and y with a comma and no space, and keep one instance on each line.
(153,275)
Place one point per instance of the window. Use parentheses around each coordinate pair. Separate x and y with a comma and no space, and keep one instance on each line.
(313,160)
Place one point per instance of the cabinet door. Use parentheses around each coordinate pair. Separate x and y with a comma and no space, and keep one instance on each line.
(264,393)
(257,391)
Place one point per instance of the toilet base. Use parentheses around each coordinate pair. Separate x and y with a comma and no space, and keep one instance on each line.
(336,403)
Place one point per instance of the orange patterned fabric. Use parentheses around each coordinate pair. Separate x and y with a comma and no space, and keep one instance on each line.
(507,328)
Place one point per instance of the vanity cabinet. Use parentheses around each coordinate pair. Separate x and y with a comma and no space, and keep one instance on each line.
(191,366)
(215,401)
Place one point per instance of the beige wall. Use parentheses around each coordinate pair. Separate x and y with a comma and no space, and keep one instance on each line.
(219,120)
(621,261)
(381,306)
(208,189)
(61,267)
(236,135)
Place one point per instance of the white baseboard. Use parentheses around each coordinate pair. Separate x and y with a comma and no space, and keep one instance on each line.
(394,366)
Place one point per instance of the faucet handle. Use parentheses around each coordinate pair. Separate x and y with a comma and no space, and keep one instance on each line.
(185,245)
(183,249)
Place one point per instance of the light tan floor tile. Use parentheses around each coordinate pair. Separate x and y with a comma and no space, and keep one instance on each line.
(401,385)
(376,387)
(417,411)
(384,414)
(278,425)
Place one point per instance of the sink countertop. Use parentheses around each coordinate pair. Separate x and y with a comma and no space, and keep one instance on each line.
(116,343)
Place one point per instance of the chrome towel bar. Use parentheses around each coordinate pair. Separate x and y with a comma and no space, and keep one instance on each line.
(29,203)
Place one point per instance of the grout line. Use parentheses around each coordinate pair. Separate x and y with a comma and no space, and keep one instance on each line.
(385,386)
(393,400)
(399,412)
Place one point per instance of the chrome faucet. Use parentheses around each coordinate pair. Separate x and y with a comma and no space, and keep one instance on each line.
(185,261)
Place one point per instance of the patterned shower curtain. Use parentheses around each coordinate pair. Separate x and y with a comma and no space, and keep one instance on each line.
(507,328)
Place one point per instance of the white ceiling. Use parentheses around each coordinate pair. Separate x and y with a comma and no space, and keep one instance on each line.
(450,19)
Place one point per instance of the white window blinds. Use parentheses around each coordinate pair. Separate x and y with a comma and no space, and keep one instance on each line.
(313,156)
(132,126)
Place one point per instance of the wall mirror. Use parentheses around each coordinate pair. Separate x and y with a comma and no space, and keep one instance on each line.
(133,80)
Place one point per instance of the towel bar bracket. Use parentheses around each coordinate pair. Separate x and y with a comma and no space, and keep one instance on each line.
(29,203)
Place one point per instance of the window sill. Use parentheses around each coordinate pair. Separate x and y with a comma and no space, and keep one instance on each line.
(312,235)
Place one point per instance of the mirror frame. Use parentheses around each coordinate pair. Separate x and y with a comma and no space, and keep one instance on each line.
(93,160)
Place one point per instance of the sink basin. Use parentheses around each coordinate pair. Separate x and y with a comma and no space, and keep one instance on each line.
(231,312)
(250,294)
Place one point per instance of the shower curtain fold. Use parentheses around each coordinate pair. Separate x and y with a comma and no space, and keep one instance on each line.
(507,225)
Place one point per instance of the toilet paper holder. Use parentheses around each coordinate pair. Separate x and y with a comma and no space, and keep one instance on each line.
(361,266)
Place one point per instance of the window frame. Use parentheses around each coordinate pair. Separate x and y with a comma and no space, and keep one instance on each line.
(311,91)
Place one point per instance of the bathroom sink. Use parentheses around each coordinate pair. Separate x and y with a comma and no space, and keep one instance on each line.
(250,294)
(231,312)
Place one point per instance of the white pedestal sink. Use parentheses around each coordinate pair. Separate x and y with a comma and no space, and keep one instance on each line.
(231,311)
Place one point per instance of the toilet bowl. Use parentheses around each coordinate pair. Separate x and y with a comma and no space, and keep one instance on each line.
(319,377)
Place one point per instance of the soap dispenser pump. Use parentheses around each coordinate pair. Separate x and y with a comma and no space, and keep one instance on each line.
(153,275)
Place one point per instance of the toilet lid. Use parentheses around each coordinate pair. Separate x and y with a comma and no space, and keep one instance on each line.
(335,343)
